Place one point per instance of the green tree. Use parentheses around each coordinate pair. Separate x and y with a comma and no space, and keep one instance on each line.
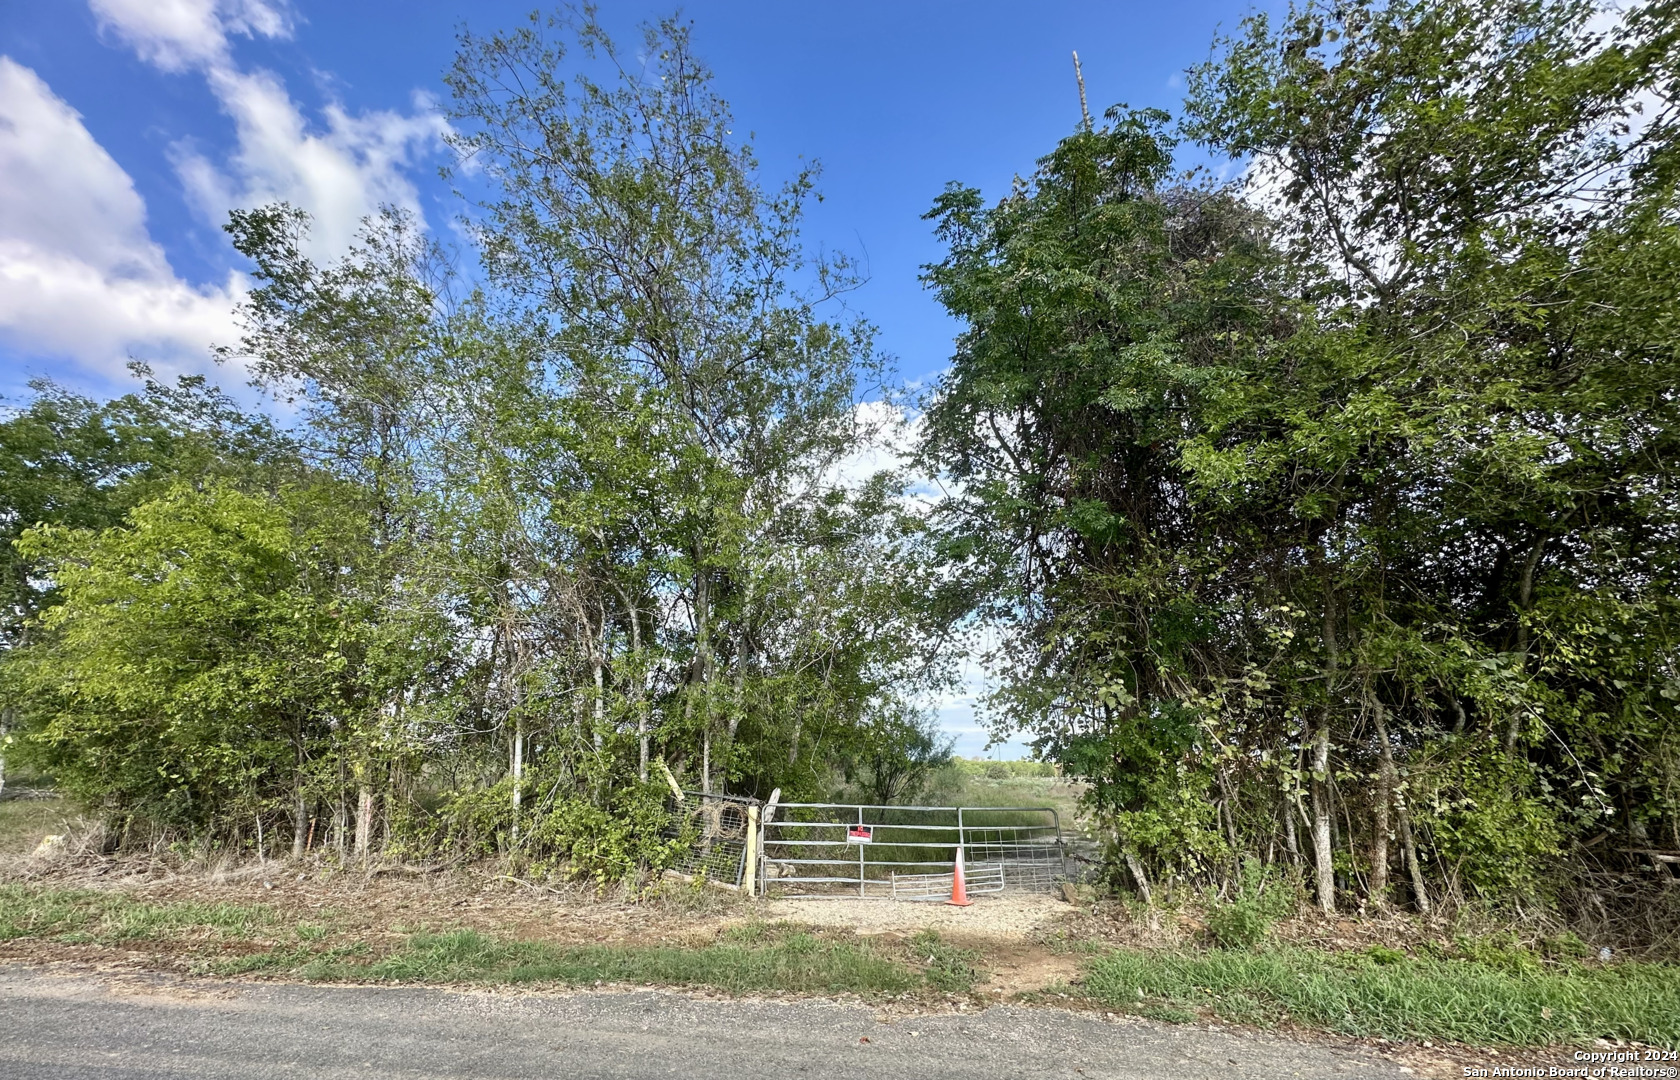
(1342,500)
(201,655)
(1106,306)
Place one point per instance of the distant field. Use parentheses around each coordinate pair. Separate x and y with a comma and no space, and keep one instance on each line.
(1008,783)
(23,822)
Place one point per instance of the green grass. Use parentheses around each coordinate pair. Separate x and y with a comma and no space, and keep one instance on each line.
(1389,994)
(81,916)
(753,958)
(798,962)
(949,968)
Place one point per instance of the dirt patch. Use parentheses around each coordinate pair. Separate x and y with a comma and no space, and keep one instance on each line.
(1008,916)
(1027,968)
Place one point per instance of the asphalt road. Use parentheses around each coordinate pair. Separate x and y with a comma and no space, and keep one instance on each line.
(81,1027)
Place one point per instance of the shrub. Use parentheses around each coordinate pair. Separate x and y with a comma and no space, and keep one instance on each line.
(1261,898)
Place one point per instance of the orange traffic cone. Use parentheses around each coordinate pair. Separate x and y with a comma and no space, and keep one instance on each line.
(959,887)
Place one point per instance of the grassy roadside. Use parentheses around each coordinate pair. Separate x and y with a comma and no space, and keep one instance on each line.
(1389,994)
(102,917)
(235,939)
(790,961)
(1482,997)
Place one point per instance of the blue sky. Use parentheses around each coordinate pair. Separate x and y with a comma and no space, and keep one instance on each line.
(128,129)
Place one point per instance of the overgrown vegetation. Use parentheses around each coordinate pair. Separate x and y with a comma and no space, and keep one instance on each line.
(528,536)
(1328,518)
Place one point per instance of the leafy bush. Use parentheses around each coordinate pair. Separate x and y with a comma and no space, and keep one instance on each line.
(1262,897)
(613,842)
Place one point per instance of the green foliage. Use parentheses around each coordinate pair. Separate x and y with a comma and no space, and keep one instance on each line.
(612,843)
(1260,898)
(198,652)
(1492,821)
(895,756)
(1345,492)
(525,538)
(1004,770)
(69,461)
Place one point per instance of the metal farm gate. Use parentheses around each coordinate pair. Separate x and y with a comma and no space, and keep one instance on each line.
(905,852)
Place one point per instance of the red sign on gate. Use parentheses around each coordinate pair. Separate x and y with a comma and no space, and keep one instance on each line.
(859,834)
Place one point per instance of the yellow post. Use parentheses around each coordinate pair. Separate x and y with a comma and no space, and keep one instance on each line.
(676,789)
(750,878)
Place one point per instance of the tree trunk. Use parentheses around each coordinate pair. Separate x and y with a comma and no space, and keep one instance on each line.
(1139,876)
(738,692)
(1228,810)
(637,688)
(340,813)
(300,826)
(737,705)
(1420,891)
(703,646)
(1378,888)
(516,768)
(799,716)
(364,816)
(1289,838)
(1525,600)
(5,726)
(598,672)
(1324,862)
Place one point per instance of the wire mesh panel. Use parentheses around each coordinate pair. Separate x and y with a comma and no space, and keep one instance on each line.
(1035,855)
(834,849)
(715,828)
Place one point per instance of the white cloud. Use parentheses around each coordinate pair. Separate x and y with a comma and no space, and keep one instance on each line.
(888,437)
(79,275)
(176,35)
(340,174)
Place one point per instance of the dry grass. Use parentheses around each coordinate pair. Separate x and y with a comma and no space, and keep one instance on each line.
(26,820)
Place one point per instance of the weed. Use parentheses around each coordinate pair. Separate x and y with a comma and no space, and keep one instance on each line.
(1245,920)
